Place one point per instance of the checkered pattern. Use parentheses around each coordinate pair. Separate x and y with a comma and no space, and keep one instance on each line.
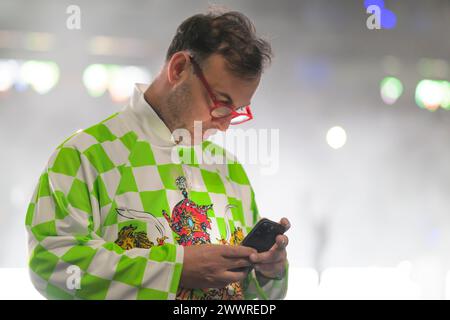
(111,175)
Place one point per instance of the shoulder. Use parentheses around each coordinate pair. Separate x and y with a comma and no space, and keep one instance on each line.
(108,129)
(91,143)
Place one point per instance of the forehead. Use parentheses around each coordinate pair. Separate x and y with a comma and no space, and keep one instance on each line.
(221,79)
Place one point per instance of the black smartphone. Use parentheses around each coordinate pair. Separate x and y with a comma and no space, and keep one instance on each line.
(262,237)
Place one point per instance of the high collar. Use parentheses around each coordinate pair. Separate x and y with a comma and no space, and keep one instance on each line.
(146,120)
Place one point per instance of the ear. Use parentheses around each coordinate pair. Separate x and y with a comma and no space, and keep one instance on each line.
(177,68)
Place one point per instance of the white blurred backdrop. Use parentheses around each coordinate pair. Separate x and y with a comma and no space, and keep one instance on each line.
(363,118)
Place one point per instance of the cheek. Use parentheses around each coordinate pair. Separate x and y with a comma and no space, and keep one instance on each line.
(200,110)
(200,107)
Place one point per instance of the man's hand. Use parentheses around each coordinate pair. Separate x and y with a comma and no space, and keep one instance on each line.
(271,264)
(208,265)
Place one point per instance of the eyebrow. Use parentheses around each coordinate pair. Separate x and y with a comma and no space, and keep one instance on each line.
(225,95)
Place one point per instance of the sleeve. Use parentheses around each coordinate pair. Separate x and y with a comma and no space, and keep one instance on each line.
(272,289)
(68,258)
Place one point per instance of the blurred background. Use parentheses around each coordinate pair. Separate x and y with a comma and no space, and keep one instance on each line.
(363,118)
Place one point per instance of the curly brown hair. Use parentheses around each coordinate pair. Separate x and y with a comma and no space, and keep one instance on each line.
(230,34)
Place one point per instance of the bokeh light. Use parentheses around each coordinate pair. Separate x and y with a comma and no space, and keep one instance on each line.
(432,94)
(8,74)
(123,80)
(41,75)
(391,89)
(336,137)
(95,79)
(118,80)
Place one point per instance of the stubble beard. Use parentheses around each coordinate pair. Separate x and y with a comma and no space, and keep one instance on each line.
(177,107)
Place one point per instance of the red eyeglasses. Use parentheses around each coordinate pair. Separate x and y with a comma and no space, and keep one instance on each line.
(221,109)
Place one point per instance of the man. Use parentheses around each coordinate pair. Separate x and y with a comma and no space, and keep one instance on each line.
(127,209)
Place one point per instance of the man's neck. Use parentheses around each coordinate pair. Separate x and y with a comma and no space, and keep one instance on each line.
(154,99)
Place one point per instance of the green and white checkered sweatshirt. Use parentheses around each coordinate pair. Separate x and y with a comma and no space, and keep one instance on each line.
(112,212)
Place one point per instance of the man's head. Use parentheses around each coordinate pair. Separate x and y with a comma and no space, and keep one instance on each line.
(231,59)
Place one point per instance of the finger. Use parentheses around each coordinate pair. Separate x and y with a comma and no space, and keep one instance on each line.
(237,251)
(237,263)
(281,242)
(285,222)
(267,268)
(230,276)
(267,257)
(277,259)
